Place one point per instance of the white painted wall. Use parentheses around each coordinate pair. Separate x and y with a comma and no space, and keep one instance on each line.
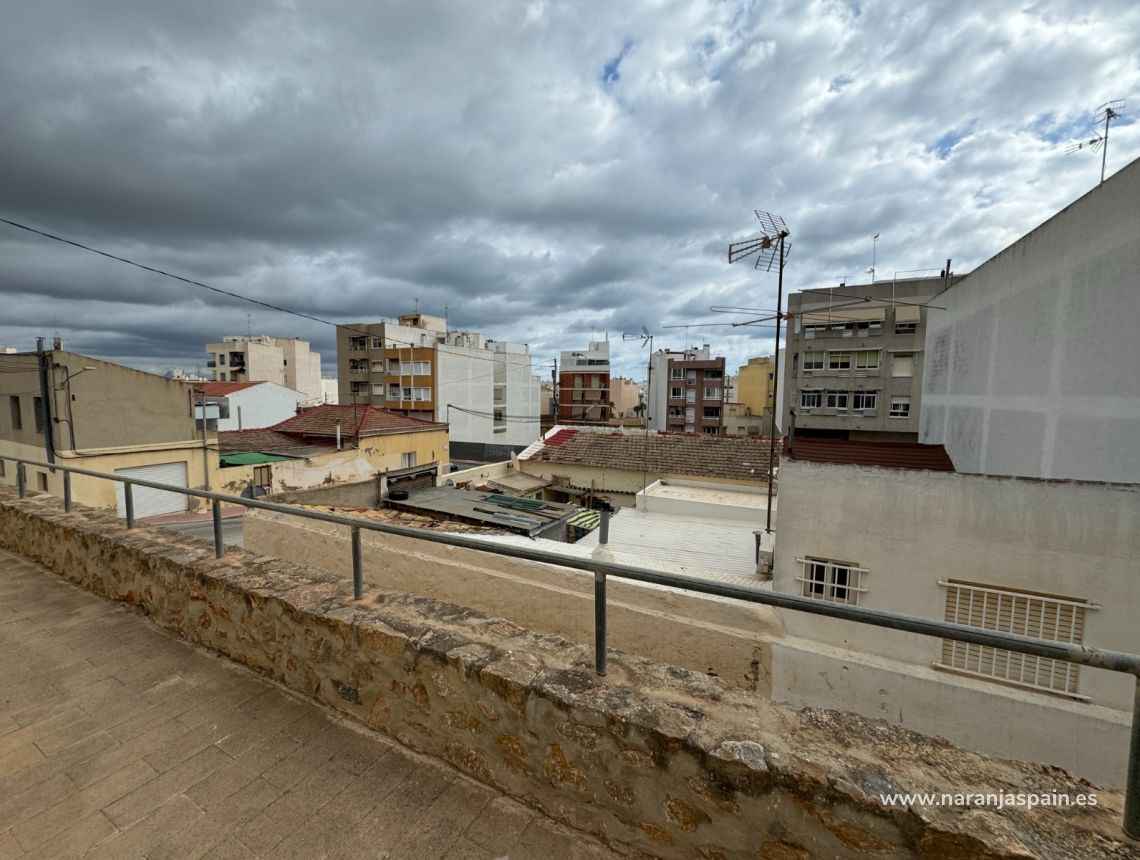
(911,529)
(466,379)
(1032,368)
(260,406)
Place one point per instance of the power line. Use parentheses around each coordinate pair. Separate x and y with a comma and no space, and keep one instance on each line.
(234,295)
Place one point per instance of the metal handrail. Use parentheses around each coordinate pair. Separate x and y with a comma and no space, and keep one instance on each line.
(1115,661)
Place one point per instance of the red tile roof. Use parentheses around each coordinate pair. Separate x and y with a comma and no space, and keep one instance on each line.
(267,441)
(354,419)
(221,389)
(742,458)
(888,455)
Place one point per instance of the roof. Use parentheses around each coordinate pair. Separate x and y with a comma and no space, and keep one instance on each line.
(268,441)
(525,516)
(250,458)
(742,458)
(518,482)
(221,389)
(355,419)
(888,455)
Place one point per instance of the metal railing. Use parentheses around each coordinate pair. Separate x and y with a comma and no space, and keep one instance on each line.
(1085,655)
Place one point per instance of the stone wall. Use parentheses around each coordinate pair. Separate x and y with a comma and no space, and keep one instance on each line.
(652,758)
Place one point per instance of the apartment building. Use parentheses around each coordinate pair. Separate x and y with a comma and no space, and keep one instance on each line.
(857,359)
(285,361)
(584,385)
(754,389)
(686,391)
(625,394)
(484,389)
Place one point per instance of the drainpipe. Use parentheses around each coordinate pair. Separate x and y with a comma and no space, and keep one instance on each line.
(42,359)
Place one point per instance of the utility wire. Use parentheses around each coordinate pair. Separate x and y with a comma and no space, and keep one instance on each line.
(234,295)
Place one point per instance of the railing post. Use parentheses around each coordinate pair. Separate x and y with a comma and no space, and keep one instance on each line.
(604,530)
(1132,786)
(357,565)
(129,504)
(600,602)
(21,480)
(219,544)
(67,492)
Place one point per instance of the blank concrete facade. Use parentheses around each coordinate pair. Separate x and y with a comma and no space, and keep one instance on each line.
(285,361)
(1032,367)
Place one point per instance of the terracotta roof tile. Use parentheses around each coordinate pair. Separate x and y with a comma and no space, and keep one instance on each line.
(354,419)
(268,441)
(888,455)
(699,455)
(221,389)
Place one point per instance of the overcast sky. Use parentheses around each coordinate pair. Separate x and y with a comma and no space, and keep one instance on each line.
(548,171)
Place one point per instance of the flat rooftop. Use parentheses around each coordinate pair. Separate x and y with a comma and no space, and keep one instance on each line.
(710,494)
(515,514)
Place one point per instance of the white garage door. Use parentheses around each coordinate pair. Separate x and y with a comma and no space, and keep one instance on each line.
(149,502)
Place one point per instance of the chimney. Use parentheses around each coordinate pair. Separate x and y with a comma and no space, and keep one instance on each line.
(338,435)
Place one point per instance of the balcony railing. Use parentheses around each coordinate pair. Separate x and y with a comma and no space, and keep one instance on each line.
(1083,655)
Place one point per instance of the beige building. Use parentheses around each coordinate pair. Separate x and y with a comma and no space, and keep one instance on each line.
(625,394)
(755,389)
(739,420)
(285,361)
(103,417)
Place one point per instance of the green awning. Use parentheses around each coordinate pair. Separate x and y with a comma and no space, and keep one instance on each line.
(250,458)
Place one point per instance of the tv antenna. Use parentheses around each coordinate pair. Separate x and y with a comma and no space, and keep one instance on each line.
(771,249)
(1106,113)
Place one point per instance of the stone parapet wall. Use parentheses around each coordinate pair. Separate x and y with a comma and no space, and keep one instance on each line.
(653,758)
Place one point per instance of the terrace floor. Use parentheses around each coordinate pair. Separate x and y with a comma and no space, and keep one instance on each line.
(118,740)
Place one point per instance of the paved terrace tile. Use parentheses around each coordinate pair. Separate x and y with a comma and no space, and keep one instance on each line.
(119,741)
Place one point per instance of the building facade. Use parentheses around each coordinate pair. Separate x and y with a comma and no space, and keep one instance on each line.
(625,394)
(755,388)
(248,405)
(1032,366)
(686,391)
(584,385)
(857,359)
(285,361)
(484,389)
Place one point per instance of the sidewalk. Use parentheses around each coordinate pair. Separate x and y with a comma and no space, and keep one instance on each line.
(118,740)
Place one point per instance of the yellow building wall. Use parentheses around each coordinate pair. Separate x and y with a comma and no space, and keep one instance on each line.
(384,452)
(753,388)
(99,492)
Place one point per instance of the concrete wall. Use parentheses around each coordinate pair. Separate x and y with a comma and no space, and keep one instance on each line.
(913,529)
(654,759)
(260,406)
(689,630)
(1032,366)
(467,380)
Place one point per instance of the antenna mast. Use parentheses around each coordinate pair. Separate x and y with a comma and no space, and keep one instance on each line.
(1106,113)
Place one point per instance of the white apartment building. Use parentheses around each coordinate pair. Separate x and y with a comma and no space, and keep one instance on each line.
(285,361)
(483,389)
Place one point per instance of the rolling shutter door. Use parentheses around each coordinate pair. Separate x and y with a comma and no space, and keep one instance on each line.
(148,502)
(420,481)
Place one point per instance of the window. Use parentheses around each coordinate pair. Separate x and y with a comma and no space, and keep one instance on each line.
(833,581)
(356,343)
(358,387)
(714,374)
(900,407)
(810,331)
(837,400)
(811,399)
(262,476)
(690,416)
(863,401)
(17,418)
(1052,618)
(677,373)
(407,459)
(221,359)
(500,420)
(844,329)
(41,481)
(711,412)
(906,328)
(868,327)
(812,361)
(691,396)
(676,391)
(839,361)
(222,376)
(712,431)
(38,413)
(357,365)
(377,343)
(676,411)
(712,393)
(867,359)
(691,378)
(902,364)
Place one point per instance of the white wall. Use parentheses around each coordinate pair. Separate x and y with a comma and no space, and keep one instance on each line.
(261,406)
(1032,368)
(466,379)
(910,530)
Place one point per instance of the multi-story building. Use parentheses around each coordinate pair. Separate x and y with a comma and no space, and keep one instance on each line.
(484,389)
(857,359)
(625,395)
(584,385)
(755,389)
(285,361)
(686,391)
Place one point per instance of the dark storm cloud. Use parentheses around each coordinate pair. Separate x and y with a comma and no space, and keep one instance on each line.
(546,173)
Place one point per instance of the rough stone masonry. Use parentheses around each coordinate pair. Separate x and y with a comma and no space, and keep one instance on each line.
(654,759)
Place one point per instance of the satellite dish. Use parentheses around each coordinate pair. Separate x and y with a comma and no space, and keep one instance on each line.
(449,483)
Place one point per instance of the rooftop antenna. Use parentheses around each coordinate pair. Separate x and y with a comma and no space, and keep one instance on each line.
(646,338)
(874,248)
(771,249)
(1106,113)
(248,327)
